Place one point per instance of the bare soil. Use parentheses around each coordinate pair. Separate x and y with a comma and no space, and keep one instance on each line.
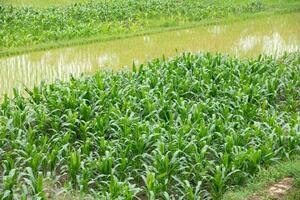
(276,191)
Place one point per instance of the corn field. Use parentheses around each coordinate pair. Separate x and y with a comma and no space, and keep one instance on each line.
(188,127)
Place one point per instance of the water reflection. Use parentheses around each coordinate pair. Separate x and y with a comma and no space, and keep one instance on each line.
(272,35)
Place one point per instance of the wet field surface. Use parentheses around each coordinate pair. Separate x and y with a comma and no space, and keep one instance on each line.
(269,35)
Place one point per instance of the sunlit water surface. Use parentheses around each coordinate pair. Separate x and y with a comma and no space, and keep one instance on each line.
(269,35)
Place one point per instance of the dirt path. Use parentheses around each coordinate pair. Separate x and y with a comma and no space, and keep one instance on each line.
(276,191)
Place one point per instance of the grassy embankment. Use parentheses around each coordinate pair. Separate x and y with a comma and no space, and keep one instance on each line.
(26,29)
(257,185)
(151,133)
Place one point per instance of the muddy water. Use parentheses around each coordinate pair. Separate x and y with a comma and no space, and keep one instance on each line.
(269,35)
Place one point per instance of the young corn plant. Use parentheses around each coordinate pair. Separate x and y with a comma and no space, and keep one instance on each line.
(74,166)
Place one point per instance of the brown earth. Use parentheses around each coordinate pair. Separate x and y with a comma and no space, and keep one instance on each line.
(276,191)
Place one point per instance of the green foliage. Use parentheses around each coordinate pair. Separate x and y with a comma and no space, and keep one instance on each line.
(189,128)
(21,26)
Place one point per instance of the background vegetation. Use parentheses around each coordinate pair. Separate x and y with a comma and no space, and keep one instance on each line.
(40,3)
(189,127)
(23,26)
(46,3)
(28,25)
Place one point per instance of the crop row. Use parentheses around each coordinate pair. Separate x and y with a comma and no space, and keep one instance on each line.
(189,128)
(28,25)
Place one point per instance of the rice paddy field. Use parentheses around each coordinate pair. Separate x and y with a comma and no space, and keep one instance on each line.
(213,113)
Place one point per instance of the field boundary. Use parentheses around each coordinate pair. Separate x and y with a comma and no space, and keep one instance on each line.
(150,31)
(259,183)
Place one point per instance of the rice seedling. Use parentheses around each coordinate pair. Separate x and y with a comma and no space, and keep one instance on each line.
(184,128)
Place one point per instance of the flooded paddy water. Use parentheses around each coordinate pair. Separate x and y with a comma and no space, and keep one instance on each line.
(269,35)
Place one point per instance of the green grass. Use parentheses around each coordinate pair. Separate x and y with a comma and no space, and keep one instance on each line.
(192,126)
(295,193)
(259,183)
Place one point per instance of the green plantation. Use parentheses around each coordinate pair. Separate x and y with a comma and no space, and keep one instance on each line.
(28,25)
(219,124)
(188,127)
